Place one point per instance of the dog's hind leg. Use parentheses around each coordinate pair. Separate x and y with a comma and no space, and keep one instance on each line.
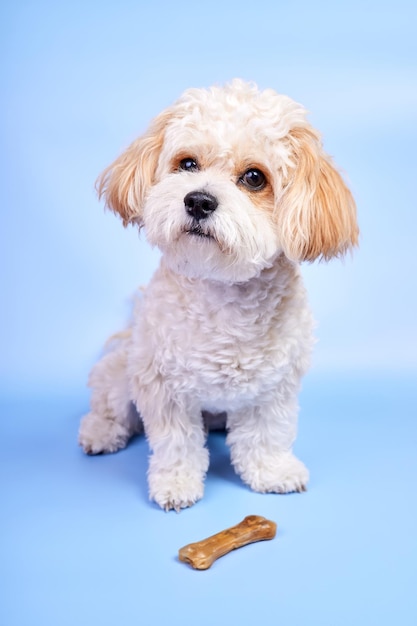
(113,419)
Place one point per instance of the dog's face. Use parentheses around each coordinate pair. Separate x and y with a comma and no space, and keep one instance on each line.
(227,179)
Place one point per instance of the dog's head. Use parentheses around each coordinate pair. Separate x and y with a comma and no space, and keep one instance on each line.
(228,178)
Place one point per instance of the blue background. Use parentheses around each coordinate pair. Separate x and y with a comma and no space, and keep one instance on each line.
(80,542)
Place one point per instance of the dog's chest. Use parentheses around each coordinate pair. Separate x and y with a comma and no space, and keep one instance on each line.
(222,346)
(220,357)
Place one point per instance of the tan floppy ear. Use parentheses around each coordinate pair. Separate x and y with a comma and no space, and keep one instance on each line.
(317,213)
(125,182)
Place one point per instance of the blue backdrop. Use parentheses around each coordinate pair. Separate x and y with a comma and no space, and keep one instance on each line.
(80,80)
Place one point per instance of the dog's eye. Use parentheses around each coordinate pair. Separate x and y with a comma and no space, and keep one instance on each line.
(253,179)
(188,165)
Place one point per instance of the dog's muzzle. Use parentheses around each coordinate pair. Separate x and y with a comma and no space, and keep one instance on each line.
(200,204)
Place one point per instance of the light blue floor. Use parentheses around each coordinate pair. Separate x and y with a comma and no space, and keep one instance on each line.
(82,545)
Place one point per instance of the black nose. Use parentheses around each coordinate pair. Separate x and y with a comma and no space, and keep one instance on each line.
(200,204)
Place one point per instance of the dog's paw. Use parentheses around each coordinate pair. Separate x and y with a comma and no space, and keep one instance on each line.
(99,434)
(283,473)
(176,488)
(175,492)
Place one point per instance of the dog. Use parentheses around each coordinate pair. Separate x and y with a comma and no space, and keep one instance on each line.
(233,186)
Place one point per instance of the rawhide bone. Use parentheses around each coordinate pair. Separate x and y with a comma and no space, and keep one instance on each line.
(203,553)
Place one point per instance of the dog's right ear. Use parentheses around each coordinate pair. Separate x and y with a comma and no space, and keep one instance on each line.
(125,182)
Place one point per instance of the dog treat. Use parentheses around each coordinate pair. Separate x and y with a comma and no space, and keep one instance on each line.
(202,554)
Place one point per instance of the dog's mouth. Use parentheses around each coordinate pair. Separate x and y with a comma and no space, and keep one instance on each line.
(197,231)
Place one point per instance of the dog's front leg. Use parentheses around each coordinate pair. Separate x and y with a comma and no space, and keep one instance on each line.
(179,459)
(261,438)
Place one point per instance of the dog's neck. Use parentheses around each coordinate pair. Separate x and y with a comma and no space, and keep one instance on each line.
(270,286)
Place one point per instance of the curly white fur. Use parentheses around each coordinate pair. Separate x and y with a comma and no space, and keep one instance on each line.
(224,325)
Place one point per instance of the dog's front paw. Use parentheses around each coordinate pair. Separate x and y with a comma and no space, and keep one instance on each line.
(176,487)
(175,491)
(100,434)
(283,473)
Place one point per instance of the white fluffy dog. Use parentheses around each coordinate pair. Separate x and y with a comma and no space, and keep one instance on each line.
(234,188)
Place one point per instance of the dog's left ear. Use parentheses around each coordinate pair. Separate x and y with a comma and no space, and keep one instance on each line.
(124,184)
(316,213)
